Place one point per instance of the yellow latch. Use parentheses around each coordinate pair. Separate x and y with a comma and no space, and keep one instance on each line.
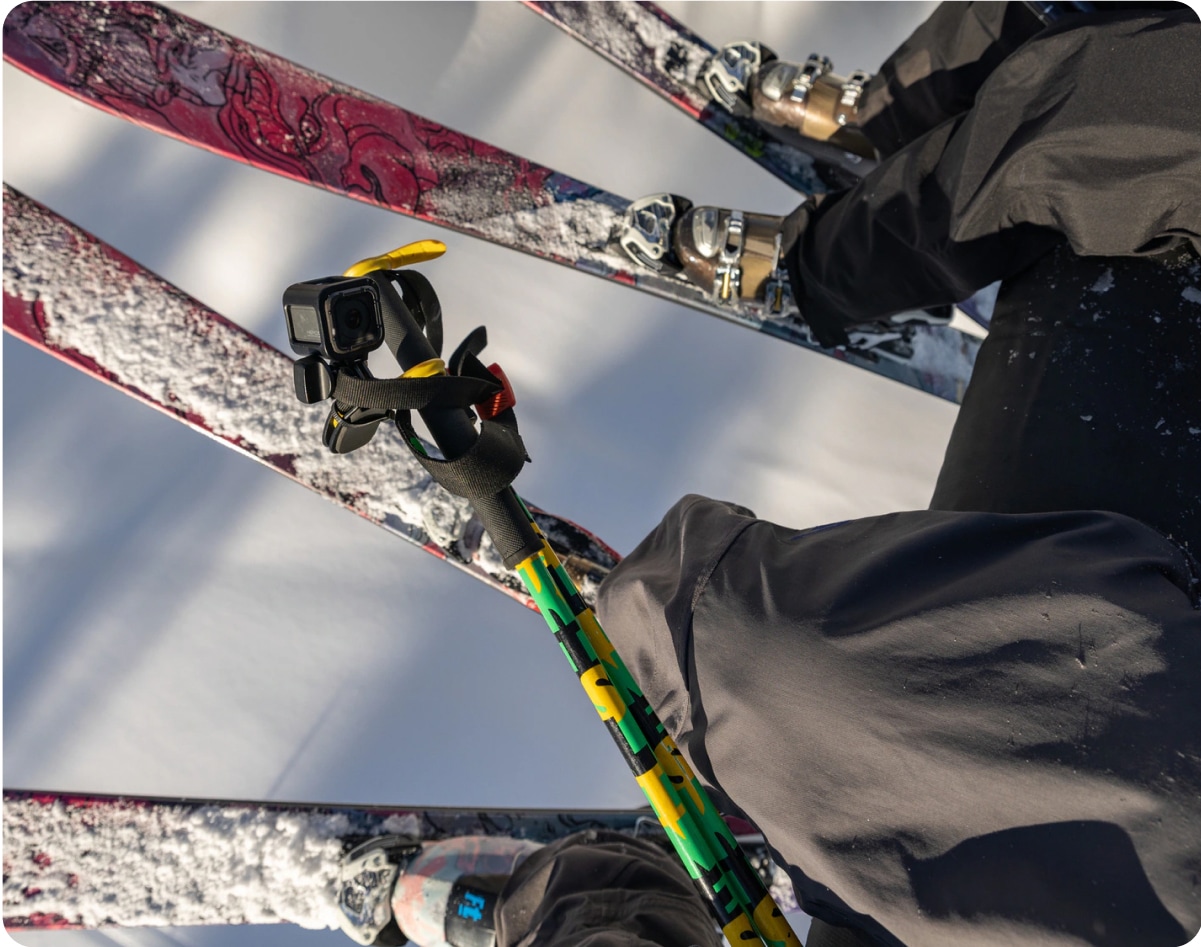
(417,252)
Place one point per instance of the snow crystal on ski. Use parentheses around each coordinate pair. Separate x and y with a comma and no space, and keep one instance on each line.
(560,230)
(652,32)
(174,865)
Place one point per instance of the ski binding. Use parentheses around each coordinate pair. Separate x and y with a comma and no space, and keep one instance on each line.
(366,881)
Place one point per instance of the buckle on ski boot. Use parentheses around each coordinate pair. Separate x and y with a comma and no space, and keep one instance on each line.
(813,69)
(777,290)
(727,76)
(365,884)
(812,99)
(727,280)
(852,92)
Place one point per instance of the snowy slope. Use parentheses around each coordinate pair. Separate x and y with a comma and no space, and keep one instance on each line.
(174,623)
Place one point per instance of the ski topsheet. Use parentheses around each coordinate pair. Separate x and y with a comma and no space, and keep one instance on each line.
(167,72)
(79,299)
(95,861)
(651,46)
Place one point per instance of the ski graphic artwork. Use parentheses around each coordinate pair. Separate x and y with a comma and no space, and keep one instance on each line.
(77,298)
(93,861)
(648,44)
(169,73)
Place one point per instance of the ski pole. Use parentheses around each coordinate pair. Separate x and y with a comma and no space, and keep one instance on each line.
(335,323)
(692,823)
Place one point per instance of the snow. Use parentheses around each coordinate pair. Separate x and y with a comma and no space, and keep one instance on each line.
(561,228)
(259,866)
(1104,283)
(179,621)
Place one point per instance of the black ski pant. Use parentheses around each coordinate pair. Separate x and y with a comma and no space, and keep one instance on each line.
(600,889)
(1074,177)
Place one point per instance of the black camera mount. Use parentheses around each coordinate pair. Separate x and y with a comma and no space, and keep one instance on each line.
(336,322)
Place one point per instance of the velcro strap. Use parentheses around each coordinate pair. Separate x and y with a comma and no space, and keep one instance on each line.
(489,466)
(413,394)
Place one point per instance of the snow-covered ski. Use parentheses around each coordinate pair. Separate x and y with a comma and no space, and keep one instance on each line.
(167,72)
(79,299)
(87,861)
(648,44)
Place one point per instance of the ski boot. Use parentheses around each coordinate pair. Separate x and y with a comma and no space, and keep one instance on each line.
(748,79)
(737,259)
(730,254)
(440,894)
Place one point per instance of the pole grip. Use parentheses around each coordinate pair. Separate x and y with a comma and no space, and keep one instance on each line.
(504,519)
(502,515)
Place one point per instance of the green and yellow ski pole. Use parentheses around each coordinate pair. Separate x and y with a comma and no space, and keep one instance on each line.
(331,323)
(742,904)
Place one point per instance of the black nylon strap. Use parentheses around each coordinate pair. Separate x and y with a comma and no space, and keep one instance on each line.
(490,464)
(423,303)
(412,394)
(475,343)
(504,520)
(390,297)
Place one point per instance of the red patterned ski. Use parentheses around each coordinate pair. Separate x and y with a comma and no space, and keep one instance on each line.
(164,71)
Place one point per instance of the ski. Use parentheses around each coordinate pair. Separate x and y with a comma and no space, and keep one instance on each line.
(651,46)
(164,71)
(79,299)
(89,861)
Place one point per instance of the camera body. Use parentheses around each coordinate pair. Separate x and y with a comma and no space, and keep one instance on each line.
(335,317)
(334,323)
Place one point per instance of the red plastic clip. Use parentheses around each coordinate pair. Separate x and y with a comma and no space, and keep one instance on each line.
(502,400)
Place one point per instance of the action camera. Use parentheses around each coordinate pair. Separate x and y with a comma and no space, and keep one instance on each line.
(336,318)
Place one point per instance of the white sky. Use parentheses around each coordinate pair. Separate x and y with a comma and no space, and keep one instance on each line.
(174,622)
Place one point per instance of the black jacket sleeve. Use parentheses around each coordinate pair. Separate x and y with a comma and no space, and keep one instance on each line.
(962,725)
(935,74)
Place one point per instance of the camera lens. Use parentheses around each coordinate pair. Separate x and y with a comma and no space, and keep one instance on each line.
(354,321)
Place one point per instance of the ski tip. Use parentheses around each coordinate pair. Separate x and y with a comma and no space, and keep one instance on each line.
(420,251)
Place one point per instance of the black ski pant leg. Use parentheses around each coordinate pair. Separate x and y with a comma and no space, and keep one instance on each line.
(1077,182)
(822,934)
(607,890)
(603,889)
(1086,395)
(1089,134)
